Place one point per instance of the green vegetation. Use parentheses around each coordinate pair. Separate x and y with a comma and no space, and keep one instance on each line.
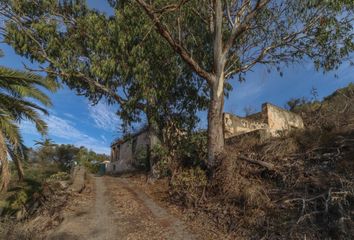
(166,60)
(20,193)
(47,163)
(18,93)
(66,155)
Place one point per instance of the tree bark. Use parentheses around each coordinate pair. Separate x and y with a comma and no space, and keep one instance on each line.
(4,165)
(215,113)
(215,126)
(19,168)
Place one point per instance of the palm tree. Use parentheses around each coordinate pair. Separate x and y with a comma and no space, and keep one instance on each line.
(46,142)
(18,89)
(46,149)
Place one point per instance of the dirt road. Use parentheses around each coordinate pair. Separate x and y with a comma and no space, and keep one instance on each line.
(117,209)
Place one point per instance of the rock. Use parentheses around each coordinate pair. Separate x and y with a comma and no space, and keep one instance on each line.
(79,176)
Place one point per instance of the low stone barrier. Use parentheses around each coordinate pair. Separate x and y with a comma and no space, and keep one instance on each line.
(78,179)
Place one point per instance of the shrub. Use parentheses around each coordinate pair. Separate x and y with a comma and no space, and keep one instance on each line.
(20,198)
(161,161)
(187,186)
(141,159)
(193,150)
(60,176)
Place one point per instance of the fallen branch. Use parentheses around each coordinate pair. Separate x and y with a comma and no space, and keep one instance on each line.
(268,166)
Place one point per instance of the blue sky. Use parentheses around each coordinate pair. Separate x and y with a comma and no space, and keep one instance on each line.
(73,120)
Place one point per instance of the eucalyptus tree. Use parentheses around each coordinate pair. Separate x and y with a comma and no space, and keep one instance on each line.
(223,40)
(17,90)
(171,91)
(101,57)
(217,40)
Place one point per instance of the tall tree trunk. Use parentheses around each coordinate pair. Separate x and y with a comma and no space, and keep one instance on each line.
(215,113)
(19,168)
(215,125)
(154,131)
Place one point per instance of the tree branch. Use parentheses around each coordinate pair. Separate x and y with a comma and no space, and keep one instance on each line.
(263,52)
(171,7)
(268,166)
(185,55)
(238,29)
(62,73)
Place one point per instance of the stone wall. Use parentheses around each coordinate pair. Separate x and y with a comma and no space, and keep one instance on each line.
(234,125)
(114,152)
(280,120)
(142,141)
(123,152)
(272,119)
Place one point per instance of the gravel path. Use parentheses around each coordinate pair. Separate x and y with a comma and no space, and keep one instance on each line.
(117,209)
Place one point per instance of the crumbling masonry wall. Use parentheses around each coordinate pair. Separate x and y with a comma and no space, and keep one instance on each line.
(234,125)
(123,152)
(272,120)
(279,119)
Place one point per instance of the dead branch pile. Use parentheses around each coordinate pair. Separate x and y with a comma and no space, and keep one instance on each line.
(300,185)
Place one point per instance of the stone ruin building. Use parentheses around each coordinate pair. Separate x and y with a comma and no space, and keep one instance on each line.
(124,151)
(272,121)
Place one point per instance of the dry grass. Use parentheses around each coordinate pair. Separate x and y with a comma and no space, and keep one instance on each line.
(309,193)
(299,186)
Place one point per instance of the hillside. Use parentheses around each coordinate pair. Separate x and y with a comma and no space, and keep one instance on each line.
(297,186)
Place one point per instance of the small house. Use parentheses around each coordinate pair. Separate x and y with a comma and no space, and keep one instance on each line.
(131,152)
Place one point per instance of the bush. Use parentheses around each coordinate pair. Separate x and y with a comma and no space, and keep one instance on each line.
(193,150)
(161,161)
(141,159)
(60,176)
(91,167)
(187,186)
(20,198)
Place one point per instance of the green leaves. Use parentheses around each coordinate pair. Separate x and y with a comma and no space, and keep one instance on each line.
(18,90)
(117,57)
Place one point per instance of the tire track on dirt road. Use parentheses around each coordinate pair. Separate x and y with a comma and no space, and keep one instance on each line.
(117,209)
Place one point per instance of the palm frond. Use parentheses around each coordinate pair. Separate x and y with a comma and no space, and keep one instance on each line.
(10,130)
(17,155)
(23,110)
(20,91)
(17,89)
(10,76)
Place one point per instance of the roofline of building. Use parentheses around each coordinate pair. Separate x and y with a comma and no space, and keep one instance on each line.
(129,136)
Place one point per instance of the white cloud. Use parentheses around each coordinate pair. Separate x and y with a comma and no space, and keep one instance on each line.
(64,130)
(104,117)
(69,115)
